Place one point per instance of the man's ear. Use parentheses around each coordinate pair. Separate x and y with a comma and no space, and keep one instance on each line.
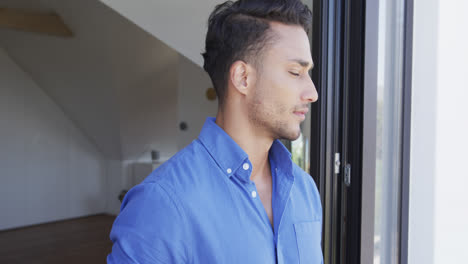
(241,76)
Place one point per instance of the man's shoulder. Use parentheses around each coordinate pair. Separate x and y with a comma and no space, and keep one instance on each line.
(187,171)
(303,176)
(177,182)
(306,187)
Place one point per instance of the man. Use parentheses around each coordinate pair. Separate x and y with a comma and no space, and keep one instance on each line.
(234,195)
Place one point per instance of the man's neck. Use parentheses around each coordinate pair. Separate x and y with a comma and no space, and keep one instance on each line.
(255,144)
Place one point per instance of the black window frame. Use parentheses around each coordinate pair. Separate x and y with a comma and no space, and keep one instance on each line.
(338,50)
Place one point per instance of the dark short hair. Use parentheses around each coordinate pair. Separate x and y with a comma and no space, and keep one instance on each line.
(238,31)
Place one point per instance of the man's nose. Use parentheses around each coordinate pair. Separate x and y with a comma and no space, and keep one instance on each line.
(310,94)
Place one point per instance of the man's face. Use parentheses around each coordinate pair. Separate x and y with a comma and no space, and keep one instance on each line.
(283,88)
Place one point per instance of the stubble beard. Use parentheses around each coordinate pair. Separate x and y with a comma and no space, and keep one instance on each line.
(274,120)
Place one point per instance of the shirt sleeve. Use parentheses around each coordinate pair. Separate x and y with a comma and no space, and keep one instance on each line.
(151,228)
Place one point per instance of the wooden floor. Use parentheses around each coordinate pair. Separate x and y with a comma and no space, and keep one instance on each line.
(82,240)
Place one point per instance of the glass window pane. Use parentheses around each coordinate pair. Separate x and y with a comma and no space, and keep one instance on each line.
(300,147)
(387,192)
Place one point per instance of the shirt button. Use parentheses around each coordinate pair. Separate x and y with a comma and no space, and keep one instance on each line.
(254,194)
(246,166)
(229,170)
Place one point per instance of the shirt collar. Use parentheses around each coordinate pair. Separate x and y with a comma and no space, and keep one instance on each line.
(232,159)
(281,158)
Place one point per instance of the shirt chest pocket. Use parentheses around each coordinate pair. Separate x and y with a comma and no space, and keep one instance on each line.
(308,237)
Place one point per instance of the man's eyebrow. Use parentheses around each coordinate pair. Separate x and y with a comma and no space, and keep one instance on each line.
(303,63)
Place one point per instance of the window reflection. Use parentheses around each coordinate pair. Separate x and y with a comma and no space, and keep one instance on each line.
(300,147)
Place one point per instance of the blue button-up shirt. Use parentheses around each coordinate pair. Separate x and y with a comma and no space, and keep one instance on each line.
(202,207)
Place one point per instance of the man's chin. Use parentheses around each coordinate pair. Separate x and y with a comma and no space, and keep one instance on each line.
(291,136)
(295,137)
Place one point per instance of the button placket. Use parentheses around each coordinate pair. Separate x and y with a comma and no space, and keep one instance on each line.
(253,193)
(257,203)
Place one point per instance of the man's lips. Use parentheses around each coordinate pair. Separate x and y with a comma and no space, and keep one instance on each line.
(301,113)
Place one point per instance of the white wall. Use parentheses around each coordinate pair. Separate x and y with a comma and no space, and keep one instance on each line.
(48,169)
(192,103)
(148,114)
(451,181)
(438,231)
(115,184)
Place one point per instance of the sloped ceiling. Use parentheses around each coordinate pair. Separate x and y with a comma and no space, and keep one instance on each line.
(180,24)
(99,73)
